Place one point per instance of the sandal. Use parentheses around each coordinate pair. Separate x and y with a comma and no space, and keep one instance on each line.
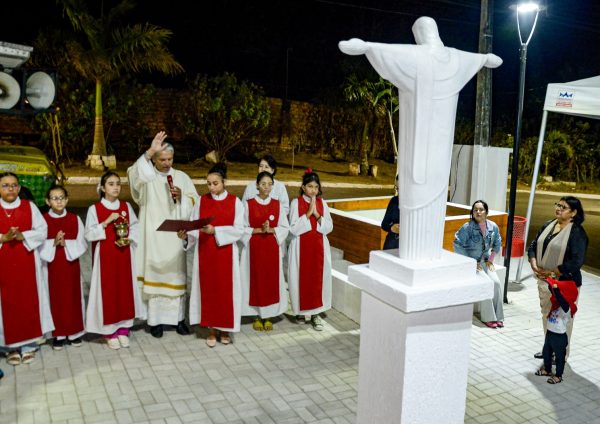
(268,325)
(27,357)
(225,338)
(14,358)
(258,325)
(543,373)
(211,340)
(554,380)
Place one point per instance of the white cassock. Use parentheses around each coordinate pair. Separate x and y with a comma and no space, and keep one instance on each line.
(74,249)
(94,231)
(224,235)
(161,264)
(32,239)
(281,233)
(279,193)
(298,226)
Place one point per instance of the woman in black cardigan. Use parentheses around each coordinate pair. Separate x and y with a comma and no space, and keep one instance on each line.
(558,251)
(391,222)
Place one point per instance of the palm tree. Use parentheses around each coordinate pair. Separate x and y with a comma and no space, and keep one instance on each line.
(376,98)
(109,49)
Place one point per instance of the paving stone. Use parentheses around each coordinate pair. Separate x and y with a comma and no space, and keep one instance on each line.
(297,375)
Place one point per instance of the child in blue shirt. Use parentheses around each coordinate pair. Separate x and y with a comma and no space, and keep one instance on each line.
(564,295)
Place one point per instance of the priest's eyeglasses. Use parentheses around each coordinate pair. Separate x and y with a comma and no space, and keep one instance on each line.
(6,186)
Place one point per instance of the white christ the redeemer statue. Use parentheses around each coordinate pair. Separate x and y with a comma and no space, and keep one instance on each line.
(429,77)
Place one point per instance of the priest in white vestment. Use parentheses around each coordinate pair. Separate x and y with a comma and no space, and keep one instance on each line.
(161,193)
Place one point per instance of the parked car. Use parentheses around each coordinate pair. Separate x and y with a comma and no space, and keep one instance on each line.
(33,168)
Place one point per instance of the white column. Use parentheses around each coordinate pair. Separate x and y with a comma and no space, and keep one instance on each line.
(415,336)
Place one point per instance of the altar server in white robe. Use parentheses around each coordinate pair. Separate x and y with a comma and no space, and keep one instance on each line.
(269,164)
(216,295)
(309,254)
(60,253)
(24,307)
(115,298)
(161,192)
(264,293)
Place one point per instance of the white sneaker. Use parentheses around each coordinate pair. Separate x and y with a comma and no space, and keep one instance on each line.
(114,343)
(123,341)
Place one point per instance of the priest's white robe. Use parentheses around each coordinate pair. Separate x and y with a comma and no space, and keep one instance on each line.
(298,226)
(94,231)
(281,233)
(161,264)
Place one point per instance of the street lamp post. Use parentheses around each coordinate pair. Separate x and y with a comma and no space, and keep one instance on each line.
(522,9)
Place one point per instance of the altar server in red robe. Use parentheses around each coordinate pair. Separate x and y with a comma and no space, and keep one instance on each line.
(264,294)
(309,254)
(115,297)
(216,296)
(24,308)
(60,255)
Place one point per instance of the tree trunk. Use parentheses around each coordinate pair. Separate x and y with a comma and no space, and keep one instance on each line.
(364,151)
(99,147)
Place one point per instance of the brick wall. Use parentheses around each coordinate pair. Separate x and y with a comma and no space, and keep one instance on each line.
(288,126)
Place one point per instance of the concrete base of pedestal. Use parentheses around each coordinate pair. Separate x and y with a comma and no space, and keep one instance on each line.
(415,336)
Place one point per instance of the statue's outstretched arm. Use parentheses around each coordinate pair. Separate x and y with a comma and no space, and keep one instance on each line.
(354,46)
(492,61)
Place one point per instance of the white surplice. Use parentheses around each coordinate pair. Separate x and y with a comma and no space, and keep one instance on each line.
(298,226)
(94,231)
(224,235)
(32,239)
(161,264)
(74,249)
(278,192)
(281,233)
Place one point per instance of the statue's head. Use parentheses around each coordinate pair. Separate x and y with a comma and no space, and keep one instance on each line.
(426,32)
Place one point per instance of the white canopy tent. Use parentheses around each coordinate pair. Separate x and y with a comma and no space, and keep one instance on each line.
(580,98)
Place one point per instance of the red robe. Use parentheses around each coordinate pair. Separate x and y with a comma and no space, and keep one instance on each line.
(18,281)
(216,269)
(115,271)
(64,279)
(264,255)
(310,279)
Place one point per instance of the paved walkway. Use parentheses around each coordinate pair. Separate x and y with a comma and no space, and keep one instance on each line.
(296,375)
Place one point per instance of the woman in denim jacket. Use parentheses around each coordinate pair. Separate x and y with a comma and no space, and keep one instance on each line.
(480,239)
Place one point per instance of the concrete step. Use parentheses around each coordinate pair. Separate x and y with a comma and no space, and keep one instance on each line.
(336,254)
(341,265)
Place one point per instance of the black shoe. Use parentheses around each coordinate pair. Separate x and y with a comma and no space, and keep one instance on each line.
(1,374)
(76,342)
(156,331)
(58,344)
(182,328)
(538,355)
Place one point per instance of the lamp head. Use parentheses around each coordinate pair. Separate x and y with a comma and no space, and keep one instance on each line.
(525,9)
(528,7)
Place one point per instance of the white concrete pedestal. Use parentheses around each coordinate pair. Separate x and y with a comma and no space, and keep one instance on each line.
(415,337)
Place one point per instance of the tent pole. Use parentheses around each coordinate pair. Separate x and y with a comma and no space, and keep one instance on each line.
(536,169)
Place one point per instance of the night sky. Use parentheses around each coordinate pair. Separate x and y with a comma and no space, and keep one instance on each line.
(256,38)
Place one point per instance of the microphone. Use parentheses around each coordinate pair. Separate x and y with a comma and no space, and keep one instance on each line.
(171,186)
